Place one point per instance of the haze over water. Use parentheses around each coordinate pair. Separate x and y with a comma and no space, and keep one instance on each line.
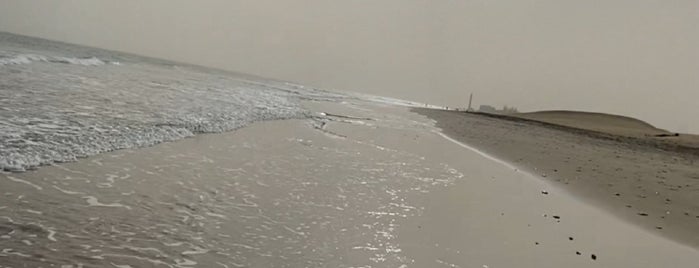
(636,58)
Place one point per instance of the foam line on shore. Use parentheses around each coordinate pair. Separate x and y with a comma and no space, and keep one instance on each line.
(481,153)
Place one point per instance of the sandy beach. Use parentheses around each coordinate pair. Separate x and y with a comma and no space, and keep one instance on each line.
(360,184)
(642,180)
(349,134)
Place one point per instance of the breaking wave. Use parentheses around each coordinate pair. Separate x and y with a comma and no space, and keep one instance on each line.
(60,112)
(30,58)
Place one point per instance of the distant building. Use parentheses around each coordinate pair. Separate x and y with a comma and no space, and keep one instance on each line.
(487,109)
(492,110)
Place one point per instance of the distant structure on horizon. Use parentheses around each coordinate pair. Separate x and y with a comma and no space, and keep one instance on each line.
(492,110)
(470,101)
(487,109)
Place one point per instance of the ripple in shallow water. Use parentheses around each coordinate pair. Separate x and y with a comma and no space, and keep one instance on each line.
(234,200)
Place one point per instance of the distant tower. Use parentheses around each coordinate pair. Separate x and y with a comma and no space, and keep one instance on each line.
(470,100)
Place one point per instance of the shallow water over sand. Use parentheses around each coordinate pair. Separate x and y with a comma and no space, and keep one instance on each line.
(279,194)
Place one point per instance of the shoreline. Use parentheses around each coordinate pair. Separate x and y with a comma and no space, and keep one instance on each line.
(372,185)
(638,182)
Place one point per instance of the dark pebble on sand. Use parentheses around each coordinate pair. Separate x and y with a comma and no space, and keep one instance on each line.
(544,192)
(593,256)
(578,253)
(557,217)
(659,227)
(643,214)
(570,238)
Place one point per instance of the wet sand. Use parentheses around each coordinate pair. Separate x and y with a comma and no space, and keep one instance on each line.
(358,185)
(498,215)
(645,183)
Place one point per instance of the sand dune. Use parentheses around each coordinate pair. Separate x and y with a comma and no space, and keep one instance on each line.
(610,126)
(608,123)
(650,181)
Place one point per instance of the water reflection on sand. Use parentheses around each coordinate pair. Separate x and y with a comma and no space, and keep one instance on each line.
(276,194)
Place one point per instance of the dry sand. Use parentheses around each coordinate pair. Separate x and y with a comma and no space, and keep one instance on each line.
(649,183)
(608,123)
(611,126)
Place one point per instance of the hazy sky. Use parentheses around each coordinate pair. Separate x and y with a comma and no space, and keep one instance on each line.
(631,57)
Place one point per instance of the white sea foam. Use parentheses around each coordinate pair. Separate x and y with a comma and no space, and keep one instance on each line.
(21,59)
(61,111)
(94,202)
(24,182)
(91,61)
(393,101)
(31,58)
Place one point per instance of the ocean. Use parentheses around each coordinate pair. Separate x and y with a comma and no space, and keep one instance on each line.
(117,160)
(60,102)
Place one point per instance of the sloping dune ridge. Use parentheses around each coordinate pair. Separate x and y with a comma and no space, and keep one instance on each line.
(611,126)
(650,181)
(602,122)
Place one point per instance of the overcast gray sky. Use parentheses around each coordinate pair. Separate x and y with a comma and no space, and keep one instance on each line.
(631,57)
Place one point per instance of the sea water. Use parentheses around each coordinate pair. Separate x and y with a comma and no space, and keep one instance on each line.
(59,102)
(314,192)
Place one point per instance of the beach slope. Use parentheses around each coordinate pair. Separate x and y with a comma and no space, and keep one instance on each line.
(601,158)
